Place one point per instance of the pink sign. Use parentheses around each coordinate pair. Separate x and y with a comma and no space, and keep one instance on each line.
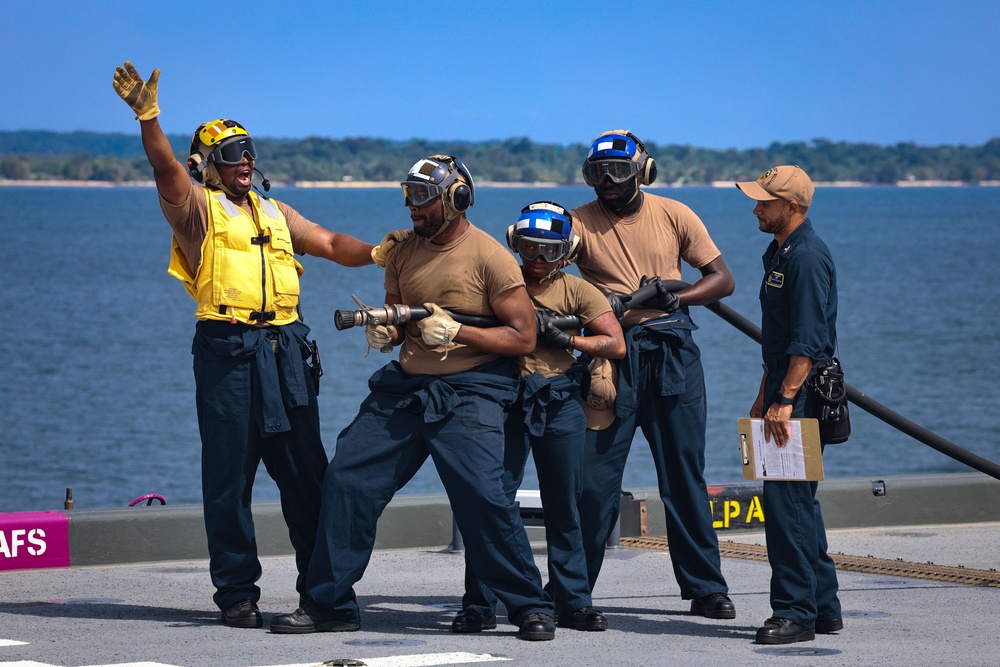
(31,540)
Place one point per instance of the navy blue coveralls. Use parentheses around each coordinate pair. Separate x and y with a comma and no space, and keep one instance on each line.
(548,423)
(457,420)
(256,400)
(798,300)
(661,389)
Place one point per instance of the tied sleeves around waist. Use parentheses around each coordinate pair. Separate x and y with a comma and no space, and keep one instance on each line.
(538,394)
(670,335)
(439,395)
(276,355)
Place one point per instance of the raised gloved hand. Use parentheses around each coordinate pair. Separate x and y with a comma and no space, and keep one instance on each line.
(381,252)
(666,301)
(549,334)
(379,336)
(439,328)
(138,94)
(618,306)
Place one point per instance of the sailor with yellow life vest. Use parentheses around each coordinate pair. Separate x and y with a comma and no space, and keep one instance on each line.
(248,272)
(234,250)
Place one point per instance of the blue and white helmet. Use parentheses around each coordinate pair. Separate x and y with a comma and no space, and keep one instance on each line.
(616,144)
(620,156)
(544,229)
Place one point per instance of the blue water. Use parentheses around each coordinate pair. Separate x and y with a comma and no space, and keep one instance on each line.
(98,391)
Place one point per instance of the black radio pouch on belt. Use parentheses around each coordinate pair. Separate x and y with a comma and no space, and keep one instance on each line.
(310,352)
(315,367)
(829,394)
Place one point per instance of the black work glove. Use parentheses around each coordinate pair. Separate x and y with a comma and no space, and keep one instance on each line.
(618,306)
(549,334)
(666,301)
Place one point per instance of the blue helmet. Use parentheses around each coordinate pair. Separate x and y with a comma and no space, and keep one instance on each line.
(616,144)
(545,229)
(620,156)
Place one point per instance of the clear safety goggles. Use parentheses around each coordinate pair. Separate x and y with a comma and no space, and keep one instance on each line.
(231,152)
(618,171)
(530,248)
(419,195)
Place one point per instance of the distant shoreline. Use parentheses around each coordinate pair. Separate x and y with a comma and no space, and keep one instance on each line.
(488,184)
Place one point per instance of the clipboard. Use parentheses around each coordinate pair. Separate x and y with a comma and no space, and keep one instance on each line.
(801,460)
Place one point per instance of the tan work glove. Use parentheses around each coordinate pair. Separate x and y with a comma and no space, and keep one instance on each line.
(138,94)
(379,336)
(438,329)
(381,252)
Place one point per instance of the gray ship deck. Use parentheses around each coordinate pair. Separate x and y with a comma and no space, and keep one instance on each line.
(160,613)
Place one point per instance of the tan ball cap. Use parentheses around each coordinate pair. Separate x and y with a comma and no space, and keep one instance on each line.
(786,182)
(599,405)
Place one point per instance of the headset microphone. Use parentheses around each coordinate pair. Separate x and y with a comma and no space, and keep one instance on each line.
(264,183)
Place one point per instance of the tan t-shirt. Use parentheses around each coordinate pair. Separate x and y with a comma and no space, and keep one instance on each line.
(565,295)
(464,276)
(189,222)
(615,253)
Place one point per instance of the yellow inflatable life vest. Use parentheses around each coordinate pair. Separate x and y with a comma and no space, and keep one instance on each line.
(248,271)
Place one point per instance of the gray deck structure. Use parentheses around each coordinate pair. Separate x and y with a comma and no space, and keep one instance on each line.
(159,612)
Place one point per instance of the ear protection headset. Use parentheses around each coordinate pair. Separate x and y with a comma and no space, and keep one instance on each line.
(460,195)
(602,149)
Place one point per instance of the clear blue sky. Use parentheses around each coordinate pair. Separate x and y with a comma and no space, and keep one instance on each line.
(722,74)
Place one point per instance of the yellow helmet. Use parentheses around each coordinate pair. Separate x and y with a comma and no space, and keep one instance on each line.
(222,141)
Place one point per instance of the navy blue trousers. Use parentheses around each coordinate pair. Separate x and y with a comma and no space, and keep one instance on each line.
(550,426)
(231,390)
(668,389)
(458,421)
(803,576)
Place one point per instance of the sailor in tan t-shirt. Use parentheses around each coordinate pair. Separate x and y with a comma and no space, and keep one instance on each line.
(627,235)
(549,421)
(447,397)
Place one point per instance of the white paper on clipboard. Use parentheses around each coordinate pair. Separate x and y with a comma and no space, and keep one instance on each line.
(799,460)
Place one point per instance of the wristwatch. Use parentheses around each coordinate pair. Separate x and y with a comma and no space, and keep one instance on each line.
(781,399)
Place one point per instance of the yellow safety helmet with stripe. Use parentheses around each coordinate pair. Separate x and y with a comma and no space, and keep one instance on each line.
(221,141)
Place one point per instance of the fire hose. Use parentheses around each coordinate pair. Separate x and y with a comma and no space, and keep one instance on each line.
(399,314)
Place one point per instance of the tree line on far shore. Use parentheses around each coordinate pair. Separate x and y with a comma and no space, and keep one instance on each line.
(90,156)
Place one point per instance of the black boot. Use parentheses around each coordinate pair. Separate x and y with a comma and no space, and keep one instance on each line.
(537,627)
(470,620)
(311,619)
(783,631)
(243,614)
